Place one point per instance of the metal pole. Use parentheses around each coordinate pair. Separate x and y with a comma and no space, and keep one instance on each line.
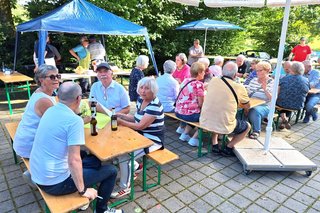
(277,76)
(15,51)
(205,41)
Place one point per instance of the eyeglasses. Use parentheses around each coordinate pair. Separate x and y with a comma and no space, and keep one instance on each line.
(53,77)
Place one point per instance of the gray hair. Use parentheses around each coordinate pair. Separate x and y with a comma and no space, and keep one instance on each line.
(142,61)
(183,57)
(151,83)
(169,66)
(43,71)
(68,92)
(205,61)
(219,59)
(230,69)
(241,56)
(297,68)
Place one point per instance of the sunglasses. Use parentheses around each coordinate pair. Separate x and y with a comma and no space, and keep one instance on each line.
(53,77)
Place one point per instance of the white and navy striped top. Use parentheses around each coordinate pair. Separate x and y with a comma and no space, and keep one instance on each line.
(255,90)
(155,131)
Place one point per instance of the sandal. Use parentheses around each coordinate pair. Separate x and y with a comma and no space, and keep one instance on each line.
(254,135)
(286,124)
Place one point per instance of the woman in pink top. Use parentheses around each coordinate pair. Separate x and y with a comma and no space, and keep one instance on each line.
(189,102)
(183,70)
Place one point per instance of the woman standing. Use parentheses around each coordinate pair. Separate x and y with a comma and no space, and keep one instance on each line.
(137,74)
(260,87)
(183,69)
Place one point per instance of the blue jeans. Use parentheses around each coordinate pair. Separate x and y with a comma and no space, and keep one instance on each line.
(311,101)
(191,118)
(106,176)
(256,115)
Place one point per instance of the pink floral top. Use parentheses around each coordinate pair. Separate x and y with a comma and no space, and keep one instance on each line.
(182,74)
(187,103)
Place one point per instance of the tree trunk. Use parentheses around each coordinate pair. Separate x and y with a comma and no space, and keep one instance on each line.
(6,20)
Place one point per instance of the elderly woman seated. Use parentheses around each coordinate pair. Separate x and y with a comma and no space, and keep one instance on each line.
(168,86)
(148,121)
(189,102)
(260,87)
(216,69)
(292,92)
(136,74)
(183,69)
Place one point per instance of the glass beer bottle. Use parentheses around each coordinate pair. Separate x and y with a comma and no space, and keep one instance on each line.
(114,122)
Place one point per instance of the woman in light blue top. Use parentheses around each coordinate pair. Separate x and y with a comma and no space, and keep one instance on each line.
(47,78)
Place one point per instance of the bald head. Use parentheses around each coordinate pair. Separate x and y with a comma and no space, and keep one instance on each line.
(230,69)
(68,92)
(307,66)
(286,66)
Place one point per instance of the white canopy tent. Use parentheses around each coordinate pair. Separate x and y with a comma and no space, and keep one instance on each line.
(262,3)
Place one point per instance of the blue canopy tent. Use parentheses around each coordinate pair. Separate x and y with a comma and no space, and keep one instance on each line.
(80,16)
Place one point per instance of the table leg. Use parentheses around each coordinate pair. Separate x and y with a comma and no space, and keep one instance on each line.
(28,88)
(132,176)
(8,98)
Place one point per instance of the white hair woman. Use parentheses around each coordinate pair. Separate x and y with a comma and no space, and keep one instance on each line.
(183,69)
(292,92)
(136,74)
(148,121)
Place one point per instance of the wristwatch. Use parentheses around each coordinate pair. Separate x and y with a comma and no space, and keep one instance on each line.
(83,191)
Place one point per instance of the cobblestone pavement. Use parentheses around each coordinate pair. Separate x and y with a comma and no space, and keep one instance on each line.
(191,184)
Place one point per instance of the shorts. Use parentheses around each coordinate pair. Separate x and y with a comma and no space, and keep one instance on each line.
(241,127)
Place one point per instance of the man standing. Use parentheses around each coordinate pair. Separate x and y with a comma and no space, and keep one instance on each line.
(312,99)
(219,109)
(109,93)
(55,162)
(82,54)
(97,52)
(301,52)
(195,52)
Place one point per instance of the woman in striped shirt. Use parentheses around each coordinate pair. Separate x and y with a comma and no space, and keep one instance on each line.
(260,87)
(148,121)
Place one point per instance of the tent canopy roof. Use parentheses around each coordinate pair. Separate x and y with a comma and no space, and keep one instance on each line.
(84,18)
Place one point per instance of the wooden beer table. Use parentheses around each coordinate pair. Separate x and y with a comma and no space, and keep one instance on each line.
(10,87)
(110,144)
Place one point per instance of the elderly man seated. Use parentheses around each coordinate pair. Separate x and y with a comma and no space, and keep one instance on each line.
(285,69)
(220,106)
(109,93)
(55,160)
(242,66)
(168,86)
(312,99)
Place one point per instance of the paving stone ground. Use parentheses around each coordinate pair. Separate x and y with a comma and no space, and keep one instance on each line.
(190,184)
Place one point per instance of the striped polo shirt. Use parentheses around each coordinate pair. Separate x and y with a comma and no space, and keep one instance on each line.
(155,130)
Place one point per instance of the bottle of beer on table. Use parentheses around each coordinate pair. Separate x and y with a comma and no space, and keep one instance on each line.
(93,122)
(114,122)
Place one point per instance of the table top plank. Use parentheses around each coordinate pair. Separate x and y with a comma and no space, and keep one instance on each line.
(14,78)
(109,144)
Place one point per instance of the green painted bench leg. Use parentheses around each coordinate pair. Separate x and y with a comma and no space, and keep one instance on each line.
(159,174)
(14,153)
(224,142)
(200,138)
(210,142)
(297,116)
(146,186)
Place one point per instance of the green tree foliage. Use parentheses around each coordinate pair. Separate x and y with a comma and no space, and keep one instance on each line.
(161,17)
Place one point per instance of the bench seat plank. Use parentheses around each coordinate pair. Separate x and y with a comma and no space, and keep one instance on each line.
(163,156)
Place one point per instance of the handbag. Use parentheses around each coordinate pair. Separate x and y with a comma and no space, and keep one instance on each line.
(181,91)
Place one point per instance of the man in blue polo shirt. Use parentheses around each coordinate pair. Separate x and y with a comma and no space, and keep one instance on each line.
(109,93)
(55,161)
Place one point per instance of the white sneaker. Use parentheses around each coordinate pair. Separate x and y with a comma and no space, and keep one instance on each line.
(120,192)
(180,130)
(184,137)
(83,208)
(112,210)
(193,142)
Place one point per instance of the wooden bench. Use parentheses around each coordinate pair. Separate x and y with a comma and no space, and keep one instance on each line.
(62,203)
(296,113)
(201,131)
(12,128)
(160,157)
(54,204)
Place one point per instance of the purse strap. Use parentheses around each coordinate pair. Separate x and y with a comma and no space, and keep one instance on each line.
(232,90)
(181,91)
